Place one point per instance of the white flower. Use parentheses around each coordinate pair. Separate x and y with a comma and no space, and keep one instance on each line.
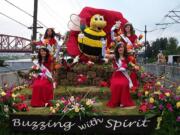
(6,108)
(81,35)
(3,93)
(37,67)
(72,99)
(89,102)
(58,104)
(51,108)
(14,95)
(76,109)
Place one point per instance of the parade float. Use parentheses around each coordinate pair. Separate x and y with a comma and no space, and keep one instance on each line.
(79,105)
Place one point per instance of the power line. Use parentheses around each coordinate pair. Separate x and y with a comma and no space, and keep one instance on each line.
(24,12)
(52,13)
(173,15)
(13,20)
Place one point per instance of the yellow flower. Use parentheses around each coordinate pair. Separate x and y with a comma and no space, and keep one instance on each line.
(167,94)
(76,109)
(146,93)
(51,108)
(14,95)
(53,111)
(3,93)
(178,104)
(158,83)
(157,92)
(178,88)
(151,100)
(57,104)
(89,102)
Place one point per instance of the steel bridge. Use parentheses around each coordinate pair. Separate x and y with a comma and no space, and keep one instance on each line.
(14,44)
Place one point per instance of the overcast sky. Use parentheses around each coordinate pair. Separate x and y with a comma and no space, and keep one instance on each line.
(56,13)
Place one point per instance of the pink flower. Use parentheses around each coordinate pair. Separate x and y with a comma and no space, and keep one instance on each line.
(139,94)
(150,106)
(161,107)
(161,96)
(177,98)
(178,119)
(169,107)
(44,71)
(43,74)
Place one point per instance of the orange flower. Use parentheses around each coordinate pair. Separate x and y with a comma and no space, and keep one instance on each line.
(129,48)
(57,66)
(140,36)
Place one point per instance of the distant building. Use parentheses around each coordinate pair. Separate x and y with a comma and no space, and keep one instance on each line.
(174,59)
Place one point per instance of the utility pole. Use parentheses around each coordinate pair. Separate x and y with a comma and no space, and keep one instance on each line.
(34,23)
(145,42)
(35,19)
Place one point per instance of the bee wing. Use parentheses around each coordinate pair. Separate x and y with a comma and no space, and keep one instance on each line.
(74,22)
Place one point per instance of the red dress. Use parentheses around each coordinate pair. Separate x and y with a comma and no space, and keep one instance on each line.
(119,87)
(133,74)
(42,89)
(133,39)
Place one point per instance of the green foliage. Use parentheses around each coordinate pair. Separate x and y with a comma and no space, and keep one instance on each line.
(1,62)
(169,46)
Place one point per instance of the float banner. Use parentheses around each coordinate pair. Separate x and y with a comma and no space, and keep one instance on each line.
(129,124)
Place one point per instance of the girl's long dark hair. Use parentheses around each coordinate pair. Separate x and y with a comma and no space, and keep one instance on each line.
(132,31)
(40,57)
(116,53)
(46,33)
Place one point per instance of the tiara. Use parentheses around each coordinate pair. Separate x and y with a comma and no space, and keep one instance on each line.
(120,43)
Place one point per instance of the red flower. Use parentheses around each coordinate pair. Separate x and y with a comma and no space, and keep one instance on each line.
(147,86)
(103,84)
(21,107)
(22,97)
(90,63)
(140,37)
(143,108)
(81,78)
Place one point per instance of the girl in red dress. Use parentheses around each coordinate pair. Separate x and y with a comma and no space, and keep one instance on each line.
(120,83)
(42,87)
(131,40)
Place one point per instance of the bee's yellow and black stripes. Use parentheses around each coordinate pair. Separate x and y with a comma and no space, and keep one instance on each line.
(91,43)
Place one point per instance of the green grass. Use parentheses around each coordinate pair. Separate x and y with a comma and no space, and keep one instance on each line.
(83,90)
(99,107)
(61,90)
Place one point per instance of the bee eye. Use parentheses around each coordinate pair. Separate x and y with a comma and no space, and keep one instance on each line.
(101,18)
(95,18)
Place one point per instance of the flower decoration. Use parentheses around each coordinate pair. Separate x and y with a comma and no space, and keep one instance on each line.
(72,106)
(11,101)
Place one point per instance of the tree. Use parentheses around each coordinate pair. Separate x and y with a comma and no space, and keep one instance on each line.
(169,46)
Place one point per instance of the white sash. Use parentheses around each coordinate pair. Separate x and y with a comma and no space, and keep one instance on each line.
(42,67)
(119,64)
(126,39)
